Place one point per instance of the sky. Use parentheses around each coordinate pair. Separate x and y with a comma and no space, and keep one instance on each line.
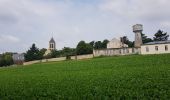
(24,22)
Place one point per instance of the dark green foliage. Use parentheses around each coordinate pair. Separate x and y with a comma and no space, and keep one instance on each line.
(161,36)
(66,51)
(125,40)
(55,53)
(84,48)
(6,59)
(145,39)
(98,45)
(42,52)
(33,54)
(92,43)
(104,43)
(110,78)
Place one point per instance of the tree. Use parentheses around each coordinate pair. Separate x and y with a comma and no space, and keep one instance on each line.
(145,39)
(84,48)
(98,45)
(104,43)
(125,40)
(92,43)
(33,54)
(161,36)
(6,59)
(42,52)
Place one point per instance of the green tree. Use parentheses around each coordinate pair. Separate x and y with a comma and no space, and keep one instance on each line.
(84,48)
(104,43)
(92,43)
(98,45)
(145,39)
(161,36)
(33,54)
(125,40)
(6,59)
(42,52)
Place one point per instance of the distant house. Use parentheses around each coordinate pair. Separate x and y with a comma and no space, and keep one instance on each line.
(18,58)
(157,47)
(115,43)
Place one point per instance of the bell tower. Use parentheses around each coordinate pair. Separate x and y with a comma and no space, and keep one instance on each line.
(137,29)
(52,44)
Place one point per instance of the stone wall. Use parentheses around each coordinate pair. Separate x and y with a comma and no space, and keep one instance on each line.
(113,52)
(79,57)
(60,59)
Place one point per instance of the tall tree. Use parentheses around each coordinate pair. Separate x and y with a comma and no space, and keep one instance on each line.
(161,36)
(98,45)
(92,43)
(42,52)
(145,39)
(104,43)
(125,40)
(84,48)
(33,54)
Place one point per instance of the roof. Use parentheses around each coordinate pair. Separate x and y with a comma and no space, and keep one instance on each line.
(158,42)
(52,40)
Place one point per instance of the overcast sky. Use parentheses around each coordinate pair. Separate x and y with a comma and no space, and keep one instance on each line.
(23,22)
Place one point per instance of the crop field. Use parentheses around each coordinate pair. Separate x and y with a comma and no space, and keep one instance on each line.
(105,78)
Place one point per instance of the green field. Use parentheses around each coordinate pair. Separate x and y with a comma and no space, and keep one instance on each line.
(125,77)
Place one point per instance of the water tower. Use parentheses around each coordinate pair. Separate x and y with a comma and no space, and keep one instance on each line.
(137,29)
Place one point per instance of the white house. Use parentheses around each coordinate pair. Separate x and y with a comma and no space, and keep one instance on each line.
(115,43)
(157,47)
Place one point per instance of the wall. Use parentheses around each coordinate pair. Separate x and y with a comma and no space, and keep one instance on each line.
(161,49)
(60,59)
(82,57)
(113,52)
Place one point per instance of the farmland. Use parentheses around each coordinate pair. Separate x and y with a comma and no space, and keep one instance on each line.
(125,77)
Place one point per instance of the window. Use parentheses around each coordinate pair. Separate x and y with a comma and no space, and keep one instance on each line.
(166,47)
(156,48)
(147,49)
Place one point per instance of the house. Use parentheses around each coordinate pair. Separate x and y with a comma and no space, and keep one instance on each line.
(18,58)
(158,47)
(115,43)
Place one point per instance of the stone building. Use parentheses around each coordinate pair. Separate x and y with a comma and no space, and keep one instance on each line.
(52,46)
(157,47)
(115,43)
(137,29)
(116,47)
(18,58)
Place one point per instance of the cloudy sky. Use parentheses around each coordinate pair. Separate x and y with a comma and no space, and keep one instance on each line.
(23,22)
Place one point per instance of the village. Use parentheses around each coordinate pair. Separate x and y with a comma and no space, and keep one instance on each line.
(113,48)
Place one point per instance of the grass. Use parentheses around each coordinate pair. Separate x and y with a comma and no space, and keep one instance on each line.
(125,77)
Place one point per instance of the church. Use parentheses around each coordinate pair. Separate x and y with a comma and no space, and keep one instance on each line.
(52,46)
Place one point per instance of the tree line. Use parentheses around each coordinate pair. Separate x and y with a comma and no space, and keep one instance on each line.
(6,59)
(34,53)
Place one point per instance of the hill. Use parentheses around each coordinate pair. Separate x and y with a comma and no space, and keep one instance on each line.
(125,77)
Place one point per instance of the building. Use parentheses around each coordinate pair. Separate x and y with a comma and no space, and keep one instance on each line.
(137,29)
(18,58)
(52,46)
(116,47)
(157,47)
(115,43)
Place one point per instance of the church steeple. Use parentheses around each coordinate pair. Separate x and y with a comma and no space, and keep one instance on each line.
(52,44)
